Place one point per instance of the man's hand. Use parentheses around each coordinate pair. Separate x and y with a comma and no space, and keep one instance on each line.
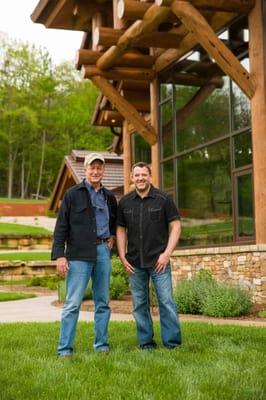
(162,262)
(110,242)
(129,268)
(61,266)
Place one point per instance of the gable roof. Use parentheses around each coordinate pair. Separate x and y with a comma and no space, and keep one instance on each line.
(72,172)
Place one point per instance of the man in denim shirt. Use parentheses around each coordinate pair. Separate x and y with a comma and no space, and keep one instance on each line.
(83,238)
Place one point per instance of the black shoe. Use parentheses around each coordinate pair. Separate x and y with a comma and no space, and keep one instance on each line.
(148,346)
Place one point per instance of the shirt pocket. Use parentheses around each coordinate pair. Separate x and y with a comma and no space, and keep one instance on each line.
(128,215)
(155,214)
(79,214)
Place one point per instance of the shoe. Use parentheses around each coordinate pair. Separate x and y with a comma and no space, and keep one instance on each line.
(65,356)
(103,350)
(148,346)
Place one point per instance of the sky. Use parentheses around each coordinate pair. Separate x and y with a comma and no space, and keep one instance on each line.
(16,22)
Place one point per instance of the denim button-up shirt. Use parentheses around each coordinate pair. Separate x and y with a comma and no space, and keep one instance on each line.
(101,211)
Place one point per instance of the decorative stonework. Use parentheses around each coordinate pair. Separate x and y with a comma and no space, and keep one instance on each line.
(26,242)
(15,270)
(244,266)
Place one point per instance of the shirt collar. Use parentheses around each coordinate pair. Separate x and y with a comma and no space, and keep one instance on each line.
(90,187)
(150,193)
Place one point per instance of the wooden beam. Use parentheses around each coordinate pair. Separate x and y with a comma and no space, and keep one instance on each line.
(153,17)
(198,26)
(155,149)
(127,153)
(191,79)
(119,73)
(139,99)
(108,37)
(131,9)
(206,68)
(130,59)
(218,21)
(238,6)
(257,48)
(126,109)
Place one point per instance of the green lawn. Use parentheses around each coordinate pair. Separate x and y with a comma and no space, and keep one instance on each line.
(17,229)
(214,363)
(26,256)
(14,200)
(10,296)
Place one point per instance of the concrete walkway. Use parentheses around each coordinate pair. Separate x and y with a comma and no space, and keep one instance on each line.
(40,309)
(43,222)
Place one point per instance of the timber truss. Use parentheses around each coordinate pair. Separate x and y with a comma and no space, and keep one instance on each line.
(127,43)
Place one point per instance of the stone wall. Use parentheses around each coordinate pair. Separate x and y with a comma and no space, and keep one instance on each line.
(25,242)
(16,270)
(244,266)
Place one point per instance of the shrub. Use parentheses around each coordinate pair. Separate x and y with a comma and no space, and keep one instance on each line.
(262,314)
(50,281)
(226,301)
(118,268)
(203,295)
(118,287)
(189,294)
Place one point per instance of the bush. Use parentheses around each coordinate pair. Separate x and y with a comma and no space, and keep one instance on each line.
(203,295)
(50,281)
(189,294)
(118,287)
(118,268)
(226,301)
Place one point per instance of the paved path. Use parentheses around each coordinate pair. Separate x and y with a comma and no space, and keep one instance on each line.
(43,222)
(40,309)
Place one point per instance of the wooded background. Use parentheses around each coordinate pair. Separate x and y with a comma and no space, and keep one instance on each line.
(45,111)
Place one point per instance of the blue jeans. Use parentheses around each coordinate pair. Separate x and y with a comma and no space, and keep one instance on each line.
(169,321)
(77,280)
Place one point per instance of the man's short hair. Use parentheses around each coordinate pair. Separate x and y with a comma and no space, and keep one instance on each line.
(141,164)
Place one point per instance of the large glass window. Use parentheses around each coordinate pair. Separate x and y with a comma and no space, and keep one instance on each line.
(204,195)
(209,120)
(206,150)
(141,149)
(166,116)
(241,105)
(245,220)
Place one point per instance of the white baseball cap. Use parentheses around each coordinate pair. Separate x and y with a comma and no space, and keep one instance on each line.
(92,157)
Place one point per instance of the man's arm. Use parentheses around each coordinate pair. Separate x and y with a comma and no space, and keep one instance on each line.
(175,227)
(121,242)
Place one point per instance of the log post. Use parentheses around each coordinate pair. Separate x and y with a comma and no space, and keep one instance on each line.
(258,111)
(155,149)
(120,73)
(127,162)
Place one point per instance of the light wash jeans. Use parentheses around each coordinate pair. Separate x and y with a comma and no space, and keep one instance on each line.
(77,280)
(169,321)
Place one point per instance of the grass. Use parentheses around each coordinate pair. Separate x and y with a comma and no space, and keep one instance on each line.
(26,256)
(13,282)
(10,296)
(17,229)
(215,362)
(14,200)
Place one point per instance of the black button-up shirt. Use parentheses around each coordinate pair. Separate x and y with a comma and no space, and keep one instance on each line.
(147,222)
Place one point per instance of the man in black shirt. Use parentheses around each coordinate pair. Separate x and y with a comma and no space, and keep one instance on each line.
(145,245)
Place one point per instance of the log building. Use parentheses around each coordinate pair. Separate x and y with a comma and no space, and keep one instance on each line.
(183,86)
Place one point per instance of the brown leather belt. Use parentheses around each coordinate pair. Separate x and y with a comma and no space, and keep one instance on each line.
(101,241)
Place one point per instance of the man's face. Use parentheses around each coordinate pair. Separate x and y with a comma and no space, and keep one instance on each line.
(141,178)
(94,172)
